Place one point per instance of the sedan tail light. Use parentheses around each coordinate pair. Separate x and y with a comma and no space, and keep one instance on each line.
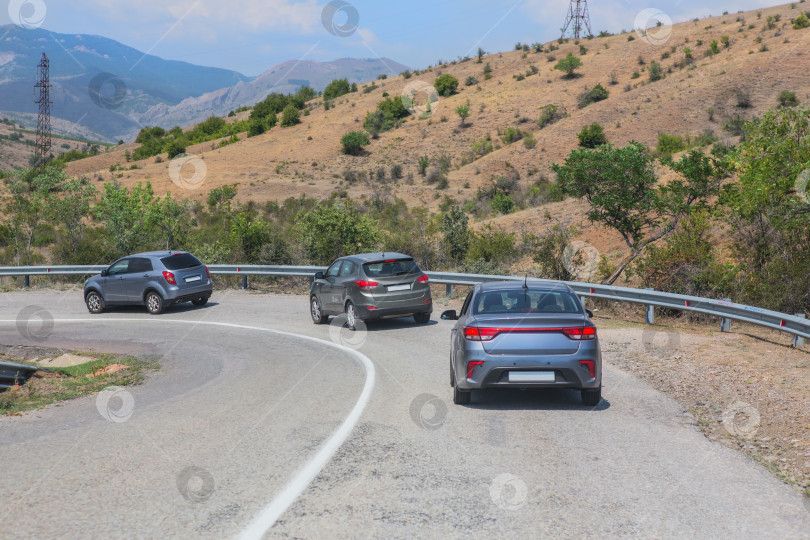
(366,285)
(471,367)
(591,365)
(580,333)
(423,279)
(169,277)
(207,272)
(472,333)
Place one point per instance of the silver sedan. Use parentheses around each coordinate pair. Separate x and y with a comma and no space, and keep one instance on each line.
(524,335)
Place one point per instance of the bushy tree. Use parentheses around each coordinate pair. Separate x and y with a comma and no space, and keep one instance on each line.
(463,111)
(569,65)
(335,229)
(336,88)
(592,136)
(455,234)
(290,116)
(446,85)
(353,142)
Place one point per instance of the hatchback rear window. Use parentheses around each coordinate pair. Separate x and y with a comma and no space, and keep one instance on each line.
(518,301)
(393,267)
(180,261)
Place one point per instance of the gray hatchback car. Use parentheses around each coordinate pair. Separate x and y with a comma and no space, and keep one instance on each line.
(371,286)
(524,335)
(156,279)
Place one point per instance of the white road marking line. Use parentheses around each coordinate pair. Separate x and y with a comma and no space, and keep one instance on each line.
(267,517)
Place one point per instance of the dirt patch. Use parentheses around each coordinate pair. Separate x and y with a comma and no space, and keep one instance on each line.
(748,389)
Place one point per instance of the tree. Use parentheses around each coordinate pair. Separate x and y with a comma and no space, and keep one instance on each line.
(446,85)
(26,205)
(336,88)
(463,111)
(353,142)
(787,99)
(569,65)
(622,189)
(290,116)
(69,207)
(455,235)
(175,148)
(127,216)
(335,229)
(656,72)
(171,222)
(481,54)
(592,136)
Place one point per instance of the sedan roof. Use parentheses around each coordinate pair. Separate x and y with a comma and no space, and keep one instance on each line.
(534,285)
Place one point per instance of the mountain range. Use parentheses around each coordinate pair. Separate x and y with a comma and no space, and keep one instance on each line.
(107,91)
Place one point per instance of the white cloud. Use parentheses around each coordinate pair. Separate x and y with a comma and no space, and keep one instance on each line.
(255,15)
(367,35)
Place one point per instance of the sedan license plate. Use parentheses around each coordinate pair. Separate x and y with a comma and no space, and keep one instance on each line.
(399,288)
(531,376)
(192,279)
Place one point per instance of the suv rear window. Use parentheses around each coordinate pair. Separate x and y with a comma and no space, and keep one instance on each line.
(392,267)
(180,261)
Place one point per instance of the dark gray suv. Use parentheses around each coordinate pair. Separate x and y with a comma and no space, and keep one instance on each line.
(371,286)
(156,280)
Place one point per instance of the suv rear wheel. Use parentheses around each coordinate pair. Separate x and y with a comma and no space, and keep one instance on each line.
(154,303)
(422,318)
(351,316)
(95,304)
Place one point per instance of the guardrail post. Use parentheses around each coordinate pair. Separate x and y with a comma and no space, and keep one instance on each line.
(649,311)
(798,341)
(244,282)
(27,281)
(725,324)
(448,290)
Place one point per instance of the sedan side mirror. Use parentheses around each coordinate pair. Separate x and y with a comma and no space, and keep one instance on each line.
(104,273)
(450,315)
(318,275)
(589,313)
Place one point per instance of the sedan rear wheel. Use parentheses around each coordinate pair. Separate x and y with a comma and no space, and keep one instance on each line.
(95,304)
(317,313)
(461,397)
(591,398)
(154,303)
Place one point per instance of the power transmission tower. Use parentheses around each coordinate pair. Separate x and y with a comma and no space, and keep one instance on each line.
(578,20)
(42,152)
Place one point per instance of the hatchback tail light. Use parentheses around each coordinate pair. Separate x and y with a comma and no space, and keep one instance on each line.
(580,333)
(169,277)
(366,285)
(423,279)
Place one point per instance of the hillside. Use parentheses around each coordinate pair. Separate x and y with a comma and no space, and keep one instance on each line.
(306,159)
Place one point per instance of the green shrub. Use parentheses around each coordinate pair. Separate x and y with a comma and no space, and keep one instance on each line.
(592,136)
(175,148)
(549,115)
(446,85)
(656,72)
(353,142)
(482,147)
(787,99)
(502,203)
(422,165)
(529,141)
(471,81)
(670,144)
(511,134)
(491,245)
(800,22)
(595,94)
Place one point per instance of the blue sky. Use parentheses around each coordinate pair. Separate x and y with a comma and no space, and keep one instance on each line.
(250,36)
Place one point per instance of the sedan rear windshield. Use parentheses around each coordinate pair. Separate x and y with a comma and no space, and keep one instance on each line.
(180,261)
(519,301)
(391,267)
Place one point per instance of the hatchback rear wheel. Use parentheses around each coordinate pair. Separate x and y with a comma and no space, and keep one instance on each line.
(154,303)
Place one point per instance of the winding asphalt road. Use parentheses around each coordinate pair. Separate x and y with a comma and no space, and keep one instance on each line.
(248,431)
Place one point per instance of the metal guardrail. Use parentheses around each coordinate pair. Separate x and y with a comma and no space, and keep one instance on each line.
(797,324)
(14,374)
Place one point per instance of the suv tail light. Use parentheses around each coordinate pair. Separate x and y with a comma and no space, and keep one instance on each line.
(207,272)
(423,279)
(366,285)
(169,277)
(580,333)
